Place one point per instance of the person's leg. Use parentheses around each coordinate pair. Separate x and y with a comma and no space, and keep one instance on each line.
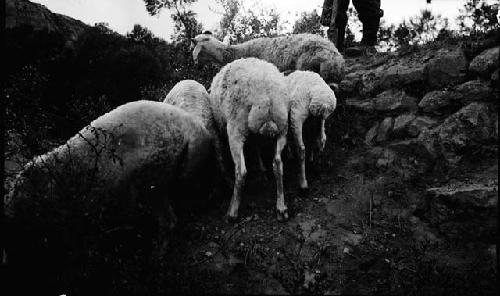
(336,31)
(369,14)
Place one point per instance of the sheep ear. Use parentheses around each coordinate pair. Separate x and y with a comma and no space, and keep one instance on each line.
(192,43)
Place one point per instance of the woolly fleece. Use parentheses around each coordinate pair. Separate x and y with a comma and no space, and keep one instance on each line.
(288,53)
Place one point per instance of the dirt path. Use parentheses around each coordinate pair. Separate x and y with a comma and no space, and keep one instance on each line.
(341,239)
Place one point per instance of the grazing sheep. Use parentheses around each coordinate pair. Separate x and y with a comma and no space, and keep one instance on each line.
(249,96)
(192,97)
(135,155)
(288,53)
(312,99)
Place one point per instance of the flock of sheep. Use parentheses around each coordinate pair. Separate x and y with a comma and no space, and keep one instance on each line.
(148,146)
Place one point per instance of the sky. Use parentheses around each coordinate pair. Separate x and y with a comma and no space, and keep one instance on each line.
(121,15)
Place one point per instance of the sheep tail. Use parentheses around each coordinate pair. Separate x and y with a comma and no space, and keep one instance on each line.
(261,122)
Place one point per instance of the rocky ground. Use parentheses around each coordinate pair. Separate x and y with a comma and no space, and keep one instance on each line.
(403,201)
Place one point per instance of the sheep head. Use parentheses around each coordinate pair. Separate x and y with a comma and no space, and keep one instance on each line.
(206,48)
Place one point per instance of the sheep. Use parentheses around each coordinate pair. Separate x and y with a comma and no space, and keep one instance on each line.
(249,96)
(192,97)
(311,98)
(288,53)
(139,147)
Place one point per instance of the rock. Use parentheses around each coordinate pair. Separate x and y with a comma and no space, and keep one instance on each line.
(486,62)
(395,101)
(420,123)
(439,102)
(462,132)
(413,147)
(463,211)
(384,129)
(369,82)
(401,123)
(400,75)
(361,105)
(474,91)
(494,78)
(449,101)
(372,134)
(445,69)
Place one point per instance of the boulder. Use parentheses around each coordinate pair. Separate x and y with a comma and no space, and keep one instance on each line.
(401,123)
(463,211)
(494,78)
(439,102)
(419,124)
(448,101)
(369,82)
(395,101)
(486,62)
(465,131)
(360,105)
(446,68)
(474,91)
(384,129)
(372,134)
(400,75)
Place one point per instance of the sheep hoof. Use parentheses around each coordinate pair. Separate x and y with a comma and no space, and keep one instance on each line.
(282,216)
(304,192)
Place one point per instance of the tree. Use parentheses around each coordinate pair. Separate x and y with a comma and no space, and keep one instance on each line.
(247,23)
(478,16)
(308,23)
(186,25)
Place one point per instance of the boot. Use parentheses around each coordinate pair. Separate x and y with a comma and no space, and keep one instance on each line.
(368,42)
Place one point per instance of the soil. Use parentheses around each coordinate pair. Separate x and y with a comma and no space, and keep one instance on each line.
(344,237)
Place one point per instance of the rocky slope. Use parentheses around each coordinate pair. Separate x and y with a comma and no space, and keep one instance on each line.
(431,116)
(20,13)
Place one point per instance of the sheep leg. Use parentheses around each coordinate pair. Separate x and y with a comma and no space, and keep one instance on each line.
(236,142)
(301,152)
(278,174)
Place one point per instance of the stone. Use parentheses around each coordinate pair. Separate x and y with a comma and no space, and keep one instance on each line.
(474,91)
(401,75)
(463,211)
(371,134)
(446,68)
(486,62)
(420,123)
(439,102)
(384,129)
(369,83)
(401,123)
(361,105)
(395,101)
(471,127)
(494,78)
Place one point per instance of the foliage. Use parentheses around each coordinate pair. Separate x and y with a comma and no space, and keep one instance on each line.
(243,24)
(309,22)
(478,17)
(155,6)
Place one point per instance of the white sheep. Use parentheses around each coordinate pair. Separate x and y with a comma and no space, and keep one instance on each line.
(192,97)
(288,53)
(140,147)
(249,96)
(312,100)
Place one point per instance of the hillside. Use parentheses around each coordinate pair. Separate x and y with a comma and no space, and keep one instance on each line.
(20,13)
(403,200)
